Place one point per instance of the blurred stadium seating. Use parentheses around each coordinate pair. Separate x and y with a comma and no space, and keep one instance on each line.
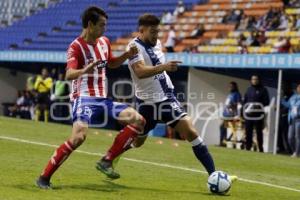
(220,37)
(53,28)
(12,10)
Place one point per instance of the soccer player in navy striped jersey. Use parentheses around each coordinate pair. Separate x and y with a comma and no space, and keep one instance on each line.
(155,92)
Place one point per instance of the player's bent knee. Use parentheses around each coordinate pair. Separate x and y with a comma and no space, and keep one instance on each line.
(79,134)
(141,121)
(78,139)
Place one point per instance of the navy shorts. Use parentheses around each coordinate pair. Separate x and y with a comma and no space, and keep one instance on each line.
(96,111)
(169,111)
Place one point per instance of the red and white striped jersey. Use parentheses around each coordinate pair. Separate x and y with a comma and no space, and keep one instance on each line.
(79,55)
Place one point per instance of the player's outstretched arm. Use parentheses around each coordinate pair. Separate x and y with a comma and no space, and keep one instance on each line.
(143,71)
(72,74)
(118,61)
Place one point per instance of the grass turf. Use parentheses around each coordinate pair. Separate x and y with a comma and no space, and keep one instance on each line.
(21,163)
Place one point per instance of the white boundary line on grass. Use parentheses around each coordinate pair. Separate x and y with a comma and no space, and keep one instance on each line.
(149,163)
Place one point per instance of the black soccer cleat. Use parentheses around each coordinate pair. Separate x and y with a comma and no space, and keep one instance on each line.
(106,167)
(43,183)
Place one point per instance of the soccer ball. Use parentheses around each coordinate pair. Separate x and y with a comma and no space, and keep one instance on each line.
(219,182)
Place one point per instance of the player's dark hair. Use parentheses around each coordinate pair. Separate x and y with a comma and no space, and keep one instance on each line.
(235,87)
(92,14)
(148,20)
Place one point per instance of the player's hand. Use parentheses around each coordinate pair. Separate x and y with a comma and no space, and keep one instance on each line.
(133,50)
(90,67)
(172,66)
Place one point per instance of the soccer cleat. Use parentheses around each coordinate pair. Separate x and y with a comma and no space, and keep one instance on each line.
(106,167)
(295,155)
(233,178)
(43,183)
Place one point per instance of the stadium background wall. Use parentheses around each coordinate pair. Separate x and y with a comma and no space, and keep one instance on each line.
(10,82)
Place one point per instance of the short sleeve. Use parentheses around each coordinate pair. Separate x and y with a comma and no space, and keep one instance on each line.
(138,57)
(49,83)
(237,97)
(73,54)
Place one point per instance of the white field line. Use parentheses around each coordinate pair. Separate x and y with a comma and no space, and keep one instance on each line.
(149,163)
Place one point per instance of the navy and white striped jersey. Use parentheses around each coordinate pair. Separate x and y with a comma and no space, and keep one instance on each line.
(156,88)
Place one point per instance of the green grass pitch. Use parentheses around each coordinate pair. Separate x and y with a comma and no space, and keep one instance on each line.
(155,171)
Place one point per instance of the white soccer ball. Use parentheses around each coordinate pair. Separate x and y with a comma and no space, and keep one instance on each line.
(219,182)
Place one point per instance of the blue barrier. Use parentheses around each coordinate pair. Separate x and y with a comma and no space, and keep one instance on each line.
(265,61)
(159,130)
(33,56)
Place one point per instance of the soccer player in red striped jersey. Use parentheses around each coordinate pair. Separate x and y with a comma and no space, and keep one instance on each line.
(87,58)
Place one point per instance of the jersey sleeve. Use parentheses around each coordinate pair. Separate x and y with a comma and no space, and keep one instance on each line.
(138,57)
(236,98)
(49,83)
(73,56)
(37,82)
(110,56)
